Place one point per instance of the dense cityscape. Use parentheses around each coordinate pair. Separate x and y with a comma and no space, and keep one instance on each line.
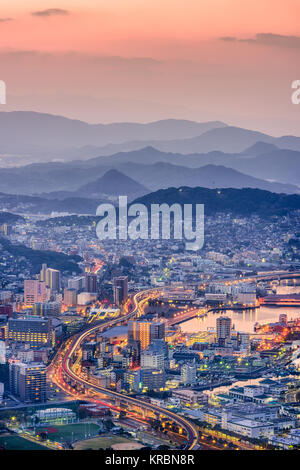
(141,344)
(149,232)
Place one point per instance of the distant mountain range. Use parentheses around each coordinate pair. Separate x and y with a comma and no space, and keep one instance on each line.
(226,139)
(46,135)
(27,136)
(136,173)
(208,154)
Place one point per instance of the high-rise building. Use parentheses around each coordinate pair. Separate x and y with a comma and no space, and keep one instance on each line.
(42,275)
(91,282)
(34,291)
(53,279)
(77,283)
(70,297)
(145,332)
(120,288)
(33,330)
(28,381)
(223,328)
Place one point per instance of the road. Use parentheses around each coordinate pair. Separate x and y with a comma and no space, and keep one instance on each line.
(65,358)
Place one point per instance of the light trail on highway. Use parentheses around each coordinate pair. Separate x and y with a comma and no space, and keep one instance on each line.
(65,368)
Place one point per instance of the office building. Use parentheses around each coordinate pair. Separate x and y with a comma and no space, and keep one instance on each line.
(37,332)
(145,332)
(120,289)
(145,379)
(223,329)
(28,381)
(91,282)
(47,309)
(42,275)
(70,297)
(53,280)
(77,283)
(34,291)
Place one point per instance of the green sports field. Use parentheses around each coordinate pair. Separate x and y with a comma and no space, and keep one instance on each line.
(69,432)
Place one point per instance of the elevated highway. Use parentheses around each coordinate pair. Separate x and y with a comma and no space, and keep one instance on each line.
(66,371)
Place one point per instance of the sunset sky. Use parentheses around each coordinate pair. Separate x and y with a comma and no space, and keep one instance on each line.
(142,60)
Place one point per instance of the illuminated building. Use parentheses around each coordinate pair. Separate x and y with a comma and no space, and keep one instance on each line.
(45,309)
(55,416)
(145,379)
(145,332)
(30,329)
(28,381)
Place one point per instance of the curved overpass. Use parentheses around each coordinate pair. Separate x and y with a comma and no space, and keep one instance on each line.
(190,428)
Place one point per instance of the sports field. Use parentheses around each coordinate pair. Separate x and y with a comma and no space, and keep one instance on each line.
(100,442)
(70,432)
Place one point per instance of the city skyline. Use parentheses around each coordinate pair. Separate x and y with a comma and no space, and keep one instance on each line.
(150,229)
